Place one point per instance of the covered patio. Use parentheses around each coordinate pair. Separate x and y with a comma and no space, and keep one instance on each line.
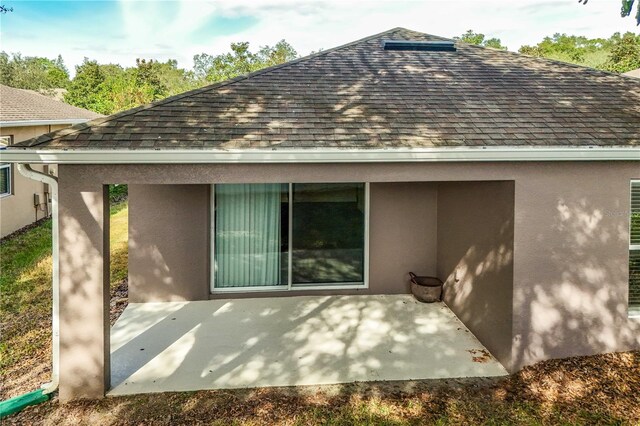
(287,341)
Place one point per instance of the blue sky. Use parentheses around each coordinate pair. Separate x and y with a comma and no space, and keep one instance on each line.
(121,31)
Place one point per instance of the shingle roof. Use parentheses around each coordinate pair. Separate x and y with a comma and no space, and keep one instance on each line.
(27,105)
(362,96)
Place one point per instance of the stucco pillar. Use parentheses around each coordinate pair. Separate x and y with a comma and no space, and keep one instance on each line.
(84,288)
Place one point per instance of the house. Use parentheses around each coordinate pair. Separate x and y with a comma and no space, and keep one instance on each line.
(25,114)
(511,178)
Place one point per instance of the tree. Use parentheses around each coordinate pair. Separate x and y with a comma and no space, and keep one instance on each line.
(478,39)
(625,53)
(627,7)
(32,72)
(616,53)
(87,90)
(240,61)
(109,88)
(625,10)
(565,47)
(280,53)
(146,75)
(175,80)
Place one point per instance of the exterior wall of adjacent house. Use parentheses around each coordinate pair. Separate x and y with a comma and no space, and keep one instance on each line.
(569,265)
(18,209)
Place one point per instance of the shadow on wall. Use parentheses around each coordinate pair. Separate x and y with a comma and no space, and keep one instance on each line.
(475,259)
(576,303)
(168,242)
(84,245)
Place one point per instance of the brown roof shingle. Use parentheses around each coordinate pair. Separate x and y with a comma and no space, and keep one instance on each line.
(27,105)
(362,96)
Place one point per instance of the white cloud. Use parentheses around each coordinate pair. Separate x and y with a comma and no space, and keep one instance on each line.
(181,29)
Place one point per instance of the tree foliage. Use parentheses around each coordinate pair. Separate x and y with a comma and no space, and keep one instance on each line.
(618,53)
(566,48)
(32,72)
(479,39)
(627,9)
(87,88)
(108,88)
(240,61)
(624,54)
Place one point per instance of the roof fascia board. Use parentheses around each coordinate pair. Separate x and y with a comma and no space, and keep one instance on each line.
(25,123)
(461,154)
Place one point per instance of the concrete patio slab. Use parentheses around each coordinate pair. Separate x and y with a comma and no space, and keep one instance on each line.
(309,340)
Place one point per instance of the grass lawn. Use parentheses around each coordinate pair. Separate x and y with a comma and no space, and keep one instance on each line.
(603,389)
(25,302)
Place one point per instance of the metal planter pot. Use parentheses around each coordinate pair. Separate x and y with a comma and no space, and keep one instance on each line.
(426,289)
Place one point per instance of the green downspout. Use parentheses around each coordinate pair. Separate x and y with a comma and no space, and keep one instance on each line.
(18,403)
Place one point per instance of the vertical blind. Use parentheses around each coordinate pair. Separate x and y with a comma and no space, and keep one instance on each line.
(247,237)
(289,234)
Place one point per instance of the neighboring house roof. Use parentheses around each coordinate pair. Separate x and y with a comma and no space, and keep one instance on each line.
(633,73)
(57,93)
(360,96)
(20,107)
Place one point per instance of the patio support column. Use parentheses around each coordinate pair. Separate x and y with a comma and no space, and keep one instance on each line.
(84,287)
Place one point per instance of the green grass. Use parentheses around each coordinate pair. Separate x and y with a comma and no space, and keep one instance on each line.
(25,277)
(25,305)
(119,241)
(20,269)
(573,391)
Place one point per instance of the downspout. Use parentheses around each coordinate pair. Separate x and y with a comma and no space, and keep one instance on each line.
(52,181)
(18,403)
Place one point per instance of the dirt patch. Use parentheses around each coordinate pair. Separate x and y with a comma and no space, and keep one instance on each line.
(602,389)
(119,300)
(27,373)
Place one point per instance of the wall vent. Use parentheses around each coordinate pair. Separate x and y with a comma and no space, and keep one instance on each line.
(432,46)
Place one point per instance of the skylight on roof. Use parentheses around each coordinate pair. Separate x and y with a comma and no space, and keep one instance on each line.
(433,46)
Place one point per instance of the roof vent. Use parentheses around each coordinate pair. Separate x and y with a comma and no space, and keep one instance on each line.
(431,46)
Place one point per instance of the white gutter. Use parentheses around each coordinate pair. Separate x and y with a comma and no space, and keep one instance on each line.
(319,155)
(26,123)
(52,181)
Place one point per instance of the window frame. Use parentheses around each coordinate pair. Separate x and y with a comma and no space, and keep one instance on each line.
(633,311)
(289,286)
(8,166)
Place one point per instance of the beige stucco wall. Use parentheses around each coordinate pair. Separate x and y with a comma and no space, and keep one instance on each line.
(571,271)
(168,243)
(570,245)
(475,259)
(17,210)
(84,288)
(169,252)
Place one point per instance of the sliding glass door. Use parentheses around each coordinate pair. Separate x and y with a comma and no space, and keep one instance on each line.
(328,233)
(249,248)
(283,236)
